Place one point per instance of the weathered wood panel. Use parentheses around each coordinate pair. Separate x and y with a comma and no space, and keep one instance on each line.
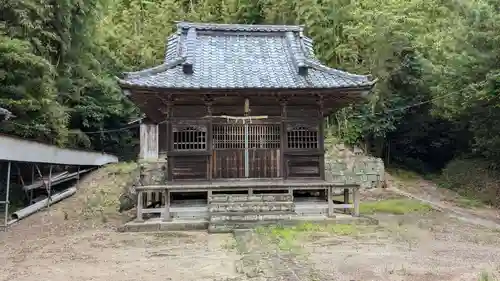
(230,163)
(305,112)
(303,166)
(189,111)
(190,167)
(162,138)
(148,141)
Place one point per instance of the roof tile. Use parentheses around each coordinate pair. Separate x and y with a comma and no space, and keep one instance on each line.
(231,56)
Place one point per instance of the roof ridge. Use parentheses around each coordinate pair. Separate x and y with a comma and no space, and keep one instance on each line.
(155,69)
(182,25)
(297,54)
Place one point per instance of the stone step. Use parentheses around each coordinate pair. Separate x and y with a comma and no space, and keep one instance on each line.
(250,198)
(250,217)
(254,207)
(238,225)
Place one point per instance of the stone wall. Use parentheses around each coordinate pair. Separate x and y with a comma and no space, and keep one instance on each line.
(153,172)
(146,173)
(352,166)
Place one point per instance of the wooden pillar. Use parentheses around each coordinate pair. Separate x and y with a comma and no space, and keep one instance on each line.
(148,141)
(166,212)
(170,138)
(355,199)
(139,206)
(321,137)
(330,201)
(283,169)
(208,104)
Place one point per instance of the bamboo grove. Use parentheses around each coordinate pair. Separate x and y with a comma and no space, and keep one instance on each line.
(436,60)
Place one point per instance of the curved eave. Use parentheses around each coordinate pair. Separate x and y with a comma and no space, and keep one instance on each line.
(128,86)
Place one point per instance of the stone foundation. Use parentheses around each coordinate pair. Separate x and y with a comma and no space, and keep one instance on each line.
(229,212)
(252,207)
(153,172)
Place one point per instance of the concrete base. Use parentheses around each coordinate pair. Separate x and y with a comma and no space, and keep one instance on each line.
(154,225)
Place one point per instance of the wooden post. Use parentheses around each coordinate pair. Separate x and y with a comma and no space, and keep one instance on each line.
(166,212)
(208,104)
(330,201)
(170,138)
(346,198)
(321,138)
(355,199)
(282,169)
(139,206)
(148,140)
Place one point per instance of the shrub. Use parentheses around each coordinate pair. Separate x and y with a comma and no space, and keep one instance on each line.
(473,178)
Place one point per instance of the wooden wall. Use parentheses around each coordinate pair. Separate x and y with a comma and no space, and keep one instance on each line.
(186,138)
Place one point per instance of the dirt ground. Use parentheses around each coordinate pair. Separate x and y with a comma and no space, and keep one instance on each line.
(104,254)
(431,247)
(77,240)
(426,246)
(56,245)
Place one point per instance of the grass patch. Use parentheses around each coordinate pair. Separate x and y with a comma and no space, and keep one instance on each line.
(404,175)
(394,206)
(408,176)
(485,276)
(470,203)
(289,238)
(98,199)
(120,168)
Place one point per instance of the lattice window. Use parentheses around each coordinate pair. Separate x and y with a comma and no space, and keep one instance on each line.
(302,137)
(259,136)
(190,138)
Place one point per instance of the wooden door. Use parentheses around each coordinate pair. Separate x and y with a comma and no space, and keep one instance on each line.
(246,150)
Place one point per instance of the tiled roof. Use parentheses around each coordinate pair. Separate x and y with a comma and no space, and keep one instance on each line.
(234,56)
